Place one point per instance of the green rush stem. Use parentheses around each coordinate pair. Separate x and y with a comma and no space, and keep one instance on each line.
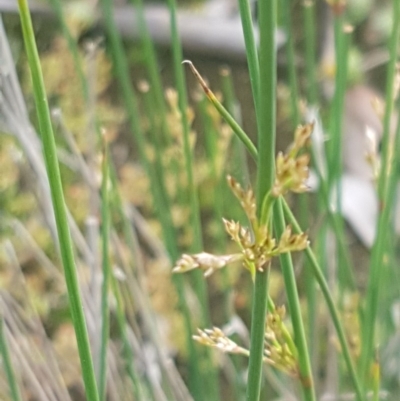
(305,372)
(294,96)
(237,129)
(385,189)
(238,166)
(336,117)
(179,73)
(210,374)
(310,49)
(310,287)
(336,223)
(159,194)
(267,100)
(7,364)
(211,136)
(266,110)
(162,203)
(251,50)
(52,167)
(291,64)
(152,68)
(105,237)
(258,313)
(335,154)
(127,350)
(319,276)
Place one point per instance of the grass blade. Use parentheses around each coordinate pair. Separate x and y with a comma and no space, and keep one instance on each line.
(66,249)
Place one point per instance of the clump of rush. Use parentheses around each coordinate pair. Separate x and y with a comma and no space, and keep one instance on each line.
(256,247)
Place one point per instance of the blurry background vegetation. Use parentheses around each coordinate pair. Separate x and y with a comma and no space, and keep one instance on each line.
(33,298)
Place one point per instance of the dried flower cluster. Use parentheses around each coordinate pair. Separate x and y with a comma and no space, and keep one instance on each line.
(256,242)
(279,348)
(292,167)
(204,261)
(257,246)
(279,351)
(216,338)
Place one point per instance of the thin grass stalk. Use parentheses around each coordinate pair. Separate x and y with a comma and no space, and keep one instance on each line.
(312,99)
(391,273)
(218,191)
(310,51)
(303,198)
(158,191)
(267,100)
(218,195)
(155,137)
(210,374)
(180,82)
(105,237)
(66,249)
(151,63)
(266,110)
(127,350)
(129,96)
(251,50)
(342,37)
(384,190)
(8,366)
(239,167)
(336,223)
(291,63)
(319,276)
(304,365)
(237,129)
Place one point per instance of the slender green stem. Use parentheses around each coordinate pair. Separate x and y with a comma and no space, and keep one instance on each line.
(150,59)
(291,63)
(335,159)
(127,350)
(162,203)
(310,50)
(237,129)
(305,372)
(66,249)
(386,180)
(294,100)
(238,164)
(105,313)
(267,15)
(183,107)
(251,50)
(8,367)
(199,282)
(319,276)
(258,313)
(266,109)
(335,148)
